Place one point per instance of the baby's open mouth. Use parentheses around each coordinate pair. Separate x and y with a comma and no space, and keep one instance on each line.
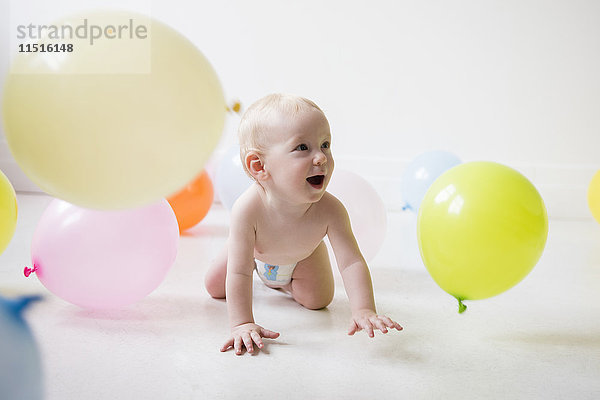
(316,181)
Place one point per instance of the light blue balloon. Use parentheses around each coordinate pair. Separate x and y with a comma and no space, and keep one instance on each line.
(230,179)
(20,367)
(420,174)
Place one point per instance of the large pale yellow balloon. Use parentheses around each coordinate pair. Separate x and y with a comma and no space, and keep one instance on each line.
(8,212)
(482,227)
(594,196)
(129,115)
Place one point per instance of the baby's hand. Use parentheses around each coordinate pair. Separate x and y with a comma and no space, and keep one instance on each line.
(369,320)
(245,335)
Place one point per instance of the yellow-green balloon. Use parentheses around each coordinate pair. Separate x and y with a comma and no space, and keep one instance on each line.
(593,196)
(129,115)
(482,227)
(8,211)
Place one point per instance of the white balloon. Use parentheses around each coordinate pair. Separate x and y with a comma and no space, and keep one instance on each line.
(422,172)
(230,179)
(365,208)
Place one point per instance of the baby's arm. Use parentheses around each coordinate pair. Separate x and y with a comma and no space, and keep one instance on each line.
(355,273)
(240,265)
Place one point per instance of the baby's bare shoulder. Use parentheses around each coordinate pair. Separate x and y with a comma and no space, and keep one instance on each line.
(248,206)
(330,203)
(329,207)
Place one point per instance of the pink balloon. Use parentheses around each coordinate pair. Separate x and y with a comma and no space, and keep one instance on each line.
(104,259)
(365,208)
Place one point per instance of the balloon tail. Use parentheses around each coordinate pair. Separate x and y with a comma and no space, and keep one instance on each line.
(28,271)
(235,107)
(461,306)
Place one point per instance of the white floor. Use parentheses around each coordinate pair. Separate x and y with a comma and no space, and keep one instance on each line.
(539,340)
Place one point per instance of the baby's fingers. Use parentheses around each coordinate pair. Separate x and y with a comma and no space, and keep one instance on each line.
(257,339)
(268,334)
(228,344)
(391,324)
(367,326)
(237,345)
(379,324)
(248,342)
(359,325)
(353,328)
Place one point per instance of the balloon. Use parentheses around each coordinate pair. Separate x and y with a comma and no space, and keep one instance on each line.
(365,208)
(594,196)
(231,180)
(117,124)
(420,174)
(192,203)
(104,259)
(481,228)
(20,367)
(8,211)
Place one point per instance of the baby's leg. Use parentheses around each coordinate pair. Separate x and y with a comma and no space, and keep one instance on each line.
(312,281)
(214,281)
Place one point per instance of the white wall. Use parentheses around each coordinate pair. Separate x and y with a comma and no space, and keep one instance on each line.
(510,81)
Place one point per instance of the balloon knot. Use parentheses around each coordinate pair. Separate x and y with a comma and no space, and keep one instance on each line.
(235,107)
(28,271)
(461,306)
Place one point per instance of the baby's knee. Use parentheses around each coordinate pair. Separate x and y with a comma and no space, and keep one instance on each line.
(215,293)
(316,302)
(215,287)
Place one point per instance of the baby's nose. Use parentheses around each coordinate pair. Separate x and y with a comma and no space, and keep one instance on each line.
(320,159)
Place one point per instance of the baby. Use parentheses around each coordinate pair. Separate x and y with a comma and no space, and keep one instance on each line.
(278,224)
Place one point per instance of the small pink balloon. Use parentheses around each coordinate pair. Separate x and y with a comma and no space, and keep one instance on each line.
(365,208)
(104,259)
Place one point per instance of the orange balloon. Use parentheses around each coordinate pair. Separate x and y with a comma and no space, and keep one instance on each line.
(192,203)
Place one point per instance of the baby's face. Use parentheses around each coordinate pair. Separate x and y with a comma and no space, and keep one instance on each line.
(298,158)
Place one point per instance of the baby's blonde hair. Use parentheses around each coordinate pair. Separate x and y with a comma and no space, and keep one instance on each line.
(255,122)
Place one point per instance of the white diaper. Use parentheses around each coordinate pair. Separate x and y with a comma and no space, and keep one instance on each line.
(275,275)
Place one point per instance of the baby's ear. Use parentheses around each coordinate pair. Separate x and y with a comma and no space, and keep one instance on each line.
(255,166)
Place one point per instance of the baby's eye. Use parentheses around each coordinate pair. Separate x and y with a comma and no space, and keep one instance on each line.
(302,147)
(326,145)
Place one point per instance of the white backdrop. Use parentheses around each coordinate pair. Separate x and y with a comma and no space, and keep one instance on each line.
(510,81)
